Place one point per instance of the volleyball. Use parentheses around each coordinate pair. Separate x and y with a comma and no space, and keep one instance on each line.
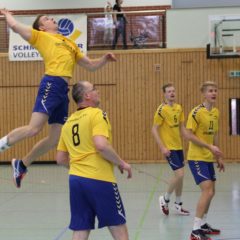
(65,26)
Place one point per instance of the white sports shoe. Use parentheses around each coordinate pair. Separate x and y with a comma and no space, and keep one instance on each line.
(163,206)
(180,210)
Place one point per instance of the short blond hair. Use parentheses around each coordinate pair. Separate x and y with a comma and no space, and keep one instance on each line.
(207,84)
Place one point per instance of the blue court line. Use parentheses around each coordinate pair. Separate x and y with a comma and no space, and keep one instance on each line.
(60,235)
(145,212)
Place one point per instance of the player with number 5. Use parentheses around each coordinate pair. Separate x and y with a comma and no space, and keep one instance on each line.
(168,127)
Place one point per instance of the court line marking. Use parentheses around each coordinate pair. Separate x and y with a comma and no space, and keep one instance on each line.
(150,175)
(149,201)
(60,235)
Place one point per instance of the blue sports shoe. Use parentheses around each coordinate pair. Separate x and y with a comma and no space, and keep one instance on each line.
(198,235)
(18,172)
(207,229)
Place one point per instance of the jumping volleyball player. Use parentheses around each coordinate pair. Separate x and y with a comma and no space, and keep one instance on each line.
(60,55)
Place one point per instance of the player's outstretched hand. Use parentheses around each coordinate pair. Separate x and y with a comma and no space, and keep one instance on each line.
(4,11)
(110,57)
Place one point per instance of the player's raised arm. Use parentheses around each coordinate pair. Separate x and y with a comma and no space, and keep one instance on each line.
(21,29)
(94,64)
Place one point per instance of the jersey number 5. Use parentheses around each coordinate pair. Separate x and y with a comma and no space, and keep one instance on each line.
(75,135)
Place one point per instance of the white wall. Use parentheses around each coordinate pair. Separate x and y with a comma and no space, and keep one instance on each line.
(204,3)
(66,4)
(189,28)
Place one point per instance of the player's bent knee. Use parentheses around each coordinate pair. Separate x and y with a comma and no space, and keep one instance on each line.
(210,193)
(180,176)
(33,131)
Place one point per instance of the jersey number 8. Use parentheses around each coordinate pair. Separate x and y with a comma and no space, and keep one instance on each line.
(75,135)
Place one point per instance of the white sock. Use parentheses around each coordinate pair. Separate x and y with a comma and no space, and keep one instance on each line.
(204,219)
(197,223)
(167,196)
(178,199)
(4,144)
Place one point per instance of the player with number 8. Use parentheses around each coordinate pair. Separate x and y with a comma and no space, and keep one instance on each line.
(85,148)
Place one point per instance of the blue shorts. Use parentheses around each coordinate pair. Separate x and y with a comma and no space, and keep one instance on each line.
(176,159)
(202,171)
(52,99)
(91,198)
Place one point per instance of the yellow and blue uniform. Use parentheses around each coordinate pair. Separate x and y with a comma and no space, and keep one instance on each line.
(60,55)
(204,124)
(76,139)
(93,188)
(169,118)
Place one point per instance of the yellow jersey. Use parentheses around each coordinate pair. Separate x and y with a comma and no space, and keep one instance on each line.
(169,118)
(204,124)
(76,139)
(59,53)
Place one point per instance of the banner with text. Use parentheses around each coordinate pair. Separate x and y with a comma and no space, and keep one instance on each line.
(72,26)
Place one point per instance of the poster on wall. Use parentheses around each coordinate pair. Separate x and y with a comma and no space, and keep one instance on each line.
(73,26)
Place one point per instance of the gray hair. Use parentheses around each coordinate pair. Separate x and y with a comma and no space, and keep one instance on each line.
(78,91)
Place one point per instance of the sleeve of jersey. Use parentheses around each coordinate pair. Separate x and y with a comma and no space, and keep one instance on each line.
(34,37)
(62,145)
(79,54)
(158,117)
(191,122)
(100,125)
